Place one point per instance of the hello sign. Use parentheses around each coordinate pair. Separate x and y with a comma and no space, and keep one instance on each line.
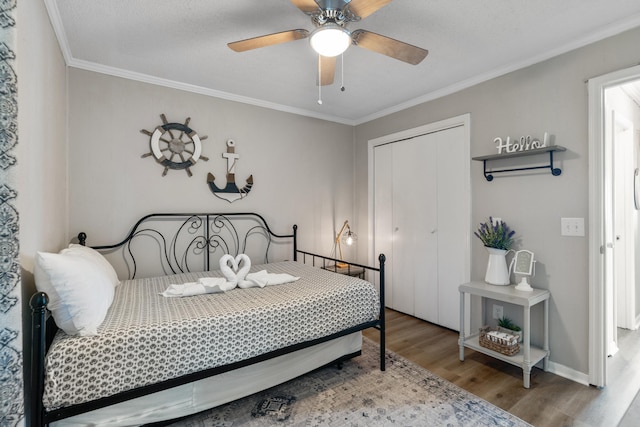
(525,143)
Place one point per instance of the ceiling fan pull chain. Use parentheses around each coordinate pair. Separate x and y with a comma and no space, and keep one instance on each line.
(320,79)
(342,71)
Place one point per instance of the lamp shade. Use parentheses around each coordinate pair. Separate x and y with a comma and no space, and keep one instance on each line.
(349,237)
(330,40)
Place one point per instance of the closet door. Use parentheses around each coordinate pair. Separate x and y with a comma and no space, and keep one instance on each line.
(383,218)
(453,224)
(415,223)
(420,223)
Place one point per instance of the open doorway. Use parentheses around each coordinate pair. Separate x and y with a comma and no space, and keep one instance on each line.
(614,147)
(621,144)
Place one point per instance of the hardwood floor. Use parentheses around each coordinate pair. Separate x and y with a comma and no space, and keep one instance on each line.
(551,401)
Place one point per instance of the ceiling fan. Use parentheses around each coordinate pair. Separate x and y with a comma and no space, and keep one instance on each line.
(331,36)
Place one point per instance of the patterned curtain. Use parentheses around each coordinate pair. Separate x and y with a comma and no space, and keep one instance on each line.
(11,383)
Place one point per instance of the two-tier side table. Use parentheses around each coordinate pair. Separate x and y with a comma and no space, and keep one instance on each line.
(529,355)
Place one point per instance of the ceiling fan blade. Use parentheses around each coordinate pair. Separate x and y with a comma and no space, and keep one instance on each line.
(268,40)
(388,46)
(364,8)
(307,6)
(327,69)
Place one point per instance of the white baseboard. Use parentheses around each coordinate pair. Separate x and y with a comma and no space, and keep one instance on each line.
(568,373)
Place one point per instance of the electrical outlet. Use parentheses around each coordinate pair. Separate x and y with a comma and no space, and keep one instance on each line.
(496,221)
(497,311)
(572,226)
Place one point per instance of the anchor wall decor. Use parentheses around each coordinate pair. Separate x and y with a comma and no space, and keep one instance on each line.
(230,192)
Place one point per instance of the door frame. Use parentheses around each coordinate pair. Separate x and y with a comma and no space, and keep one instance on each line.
(598,334)
(463,120)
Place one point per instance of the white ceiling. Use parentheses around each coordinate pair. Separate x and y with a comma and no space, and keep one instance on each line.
(183,44)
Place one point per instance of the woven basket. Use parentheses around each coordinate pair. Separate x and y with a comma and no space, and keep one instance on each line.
(501,342)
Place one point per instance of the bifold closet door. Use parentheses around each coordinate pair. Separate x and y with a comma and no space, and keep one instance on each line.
(453,223)
(383,218)
(419,223)
(415,218)
(405,217)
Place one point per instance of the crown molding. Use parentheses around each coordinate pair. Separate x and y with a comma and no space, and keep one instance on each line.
(605,32)
(145,78)
(594,36)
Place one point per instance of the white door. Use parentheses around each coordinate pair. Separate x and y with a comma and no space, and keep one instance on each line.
(609,273)
(619,228)
(452,224)
(415,219)
(623,205)
(383,195)
(421,222)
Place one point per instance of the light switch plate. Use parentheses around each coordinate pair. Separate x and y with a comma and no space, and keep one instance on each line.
(572,226)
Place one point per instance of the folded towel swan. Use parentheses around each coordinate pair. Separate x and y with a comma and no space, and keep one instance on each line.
(233,273)
(234,276)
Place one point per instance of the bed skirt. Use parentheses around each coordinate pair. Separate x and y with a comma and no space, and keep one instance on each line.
(210,392)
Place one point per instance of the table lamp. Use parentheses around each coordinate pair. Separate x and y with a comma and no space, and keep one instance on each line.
(348,237)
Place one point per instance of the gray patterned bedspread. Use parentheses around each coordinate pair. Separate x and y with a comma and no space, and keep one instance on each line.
(147,338)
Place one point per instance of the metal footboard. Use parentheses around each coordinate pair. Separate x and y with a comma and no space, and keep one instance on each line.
(353,269)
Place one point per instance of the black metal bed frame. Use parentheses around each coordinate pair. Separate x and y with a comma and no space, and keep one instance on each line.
(202,235)
(203,243)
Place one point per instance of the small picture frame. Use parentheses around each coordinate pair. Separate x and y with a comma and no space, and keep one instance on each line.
(523,262)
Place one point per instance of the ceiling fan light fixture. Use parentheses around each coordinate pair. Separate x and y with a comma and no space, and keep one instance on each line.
(330,40)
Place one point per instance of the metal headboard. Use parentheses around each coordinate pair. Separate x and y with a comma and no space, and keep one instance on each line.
(186,242)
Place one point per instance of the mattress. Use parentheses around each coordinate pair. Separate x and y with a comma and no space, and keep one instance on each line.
(147,338)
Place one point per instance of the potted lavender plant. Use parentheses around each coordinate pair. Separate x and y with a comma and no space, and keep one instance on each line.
(497,237)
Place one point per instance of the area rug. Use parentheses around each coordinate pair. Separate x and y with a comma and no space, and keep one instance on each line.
(360,394)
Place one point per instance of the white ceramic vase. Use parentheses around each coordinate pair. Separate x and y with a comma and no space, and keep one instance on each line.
(497,271)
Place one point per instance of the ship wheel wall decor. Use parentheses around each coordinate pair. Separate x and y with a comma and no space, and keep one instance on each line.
(175,145)
(230,192)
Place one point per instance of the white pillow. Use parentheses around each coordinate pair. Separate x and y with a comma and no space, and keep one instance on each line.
(94,255)
(79,290)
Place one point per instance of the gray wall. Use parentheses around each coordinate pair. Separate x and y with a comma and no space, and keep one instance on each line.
(42,148)
(550,96)
(42,152)
(302,167)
